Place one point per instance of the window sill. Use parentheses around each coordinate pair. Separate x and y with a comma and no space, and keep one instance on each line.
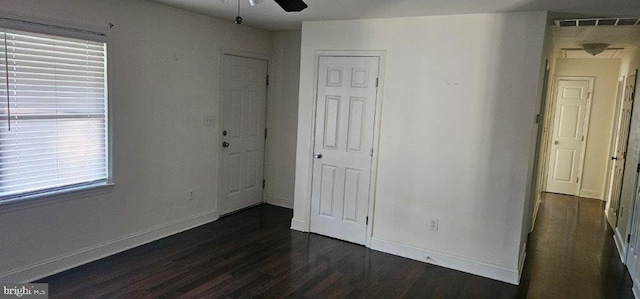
(57,196)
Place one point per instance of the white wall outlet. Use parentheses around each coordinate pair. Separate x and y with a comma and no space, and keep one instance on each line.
(209,121)
(434,225)
(191,194)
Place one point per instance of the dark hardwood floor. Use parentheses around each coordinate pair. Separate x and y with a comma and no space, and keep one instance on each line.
(255,254)
(571,253)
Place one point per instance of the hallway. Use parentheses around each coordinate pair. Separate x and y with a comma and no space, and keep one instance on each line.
(571,253)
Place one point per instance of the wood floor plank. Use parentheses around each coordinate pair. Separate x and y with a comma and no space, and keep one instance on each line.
(254,254)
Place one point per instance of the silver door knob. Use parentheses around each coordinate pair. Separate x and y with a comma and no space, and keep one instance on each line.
(317,155)
(555,142)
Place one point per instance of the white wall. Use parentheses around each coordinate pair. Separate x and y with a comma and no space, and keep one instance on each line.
(597,155)
(458,112)
(282,118)
(630,63)
(538,151)
(164,77)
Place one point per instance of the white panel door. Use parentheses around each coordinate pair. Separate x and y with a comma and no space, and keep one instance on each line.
(633,261)
(568,135)
(620,151)
(345,112)
(629,179)
(245,91)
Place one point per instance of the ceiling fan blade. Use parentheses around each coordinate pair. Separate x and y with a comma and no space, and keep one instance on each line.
(255,2)
(292,5)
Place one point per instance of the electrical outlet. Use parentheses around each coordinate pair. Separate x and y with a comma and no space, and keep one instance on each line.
(191,194)
(434,225)
(209,121)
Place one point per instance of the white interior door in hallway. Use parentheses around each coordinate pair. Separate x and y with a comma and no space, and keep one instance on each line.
(624,224)
(243,132)
(620,150)
(633,239)
(569,130)
(345,112)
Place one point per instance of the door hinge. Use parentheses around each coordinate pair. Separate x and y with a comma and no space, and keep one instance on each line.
(582,137)
(265,133)
(628,238)
(372,152)
(264,183)
(377,81)
(638,168)
(267,80)
(577,179)
(367,220)
(538,118)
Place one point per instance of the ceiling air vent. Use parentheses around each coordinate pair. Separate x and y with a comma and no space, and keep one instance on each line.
(597,22)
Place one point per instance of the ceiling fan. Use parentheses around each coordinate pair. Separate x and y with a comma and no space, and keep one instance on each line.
(287,5)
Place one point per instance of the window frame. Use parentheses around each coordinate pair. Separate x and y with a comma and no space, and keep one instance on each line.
(68,191)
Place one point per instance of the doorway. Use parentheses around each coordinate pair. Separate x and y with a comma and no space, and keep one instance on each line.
(623,230)
(571,120)
(243,132)
(626,90)
(346,105)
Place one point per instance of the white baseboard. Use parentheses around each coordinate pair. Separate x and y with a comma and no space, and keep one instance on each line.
(611,223)
(278,201)
(92,253)
(523,258)
(620,245)
(446,260)
(299,225)
(536,208)
(591,194)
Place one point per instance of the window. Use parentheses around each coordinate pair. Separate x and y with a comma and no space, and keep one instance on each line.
(53,113)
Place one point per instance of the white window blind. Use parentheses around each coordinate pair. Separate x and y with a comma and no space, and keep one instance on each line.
(53,113)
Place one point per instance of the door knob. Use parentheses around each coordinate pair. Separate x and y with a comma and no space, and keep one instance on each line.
(614,158)
(555,142)
(317,155)
(225,144)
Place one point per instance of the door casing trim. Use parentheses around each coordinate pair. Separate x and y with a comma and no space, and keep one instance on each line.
(381,55)
(220,117)
(585,131)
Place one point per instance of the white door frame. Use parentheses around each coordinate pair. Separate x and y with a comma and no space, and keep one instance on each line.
(541,120)
(220,119)
(587,118)
(376,130)
(624,247)
(615,134)
(547,130)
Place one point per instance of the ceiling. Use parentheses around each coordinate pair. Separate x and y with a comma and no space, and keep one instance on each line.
(269,16)
(624,38)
